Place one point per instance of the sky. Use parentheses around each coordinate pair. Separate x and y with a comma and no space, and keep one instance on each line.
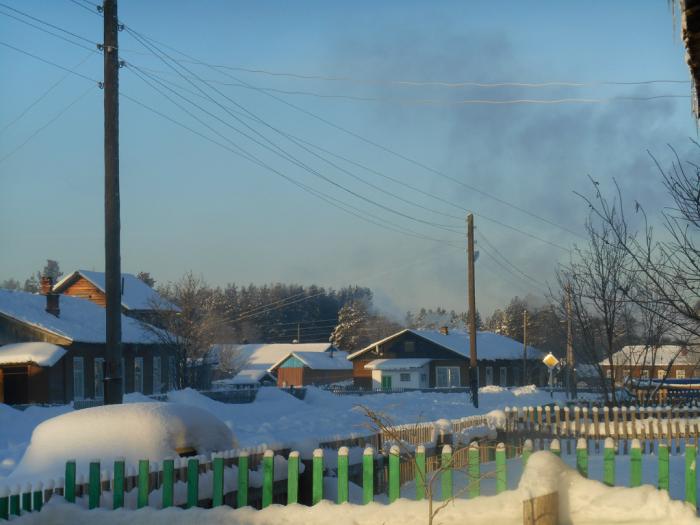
(361,174)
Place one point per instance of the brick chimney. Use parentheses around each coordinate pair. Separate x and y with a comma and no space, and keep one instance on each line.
(444,330)
(52,298)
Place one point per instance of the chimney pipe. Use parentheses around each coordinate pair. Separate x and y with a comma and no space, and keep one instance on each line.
(444,330)
(46,285)
(52,304)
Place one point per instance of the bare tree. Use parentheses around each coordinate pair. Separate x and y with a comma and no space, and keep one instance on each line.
(192,328)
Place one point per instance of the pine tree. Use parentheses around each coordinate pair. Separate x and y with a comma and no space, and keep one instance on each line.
(348,334)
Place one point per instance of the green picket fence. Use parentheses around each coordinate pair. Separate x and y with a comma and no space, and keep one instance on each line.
(18,501)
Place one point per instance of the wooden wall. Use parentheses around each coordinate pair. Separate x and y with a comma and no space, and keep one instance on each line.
(84,289)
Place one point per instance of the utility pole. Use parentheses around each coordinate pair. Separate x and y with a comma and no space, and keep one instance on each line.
(524,347)
(473,369)
(113,357)
(298,332)
(571,375)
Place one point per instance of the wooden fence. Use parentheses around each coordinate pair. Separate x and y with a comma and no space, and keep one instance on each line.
(213,482)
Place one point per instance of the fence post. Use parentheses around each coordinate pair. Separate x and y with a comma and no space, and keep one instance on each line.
(142,494)
(168,482)
(38,497)
(118,484)
(368,475)
(527,450)
(446,475)
(663,467)
(317,488)
(420,472)
(69,484)
(474,470)
(217,497)
(14,501)
(27,498)
(691,495)
(242,480)
(543,510)
(4,503)
(394,459)
(192,482)
(609,462)
(555,447)
(94,488)
(501,473)
(635,464)
(343,488)
(293,477)
(582,457)
(268,477)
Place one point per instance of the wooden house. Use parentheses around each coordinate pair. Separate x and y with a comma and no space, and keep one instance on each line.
(138,300)
(440,359)
(44,374)
(301,368)
(653,362)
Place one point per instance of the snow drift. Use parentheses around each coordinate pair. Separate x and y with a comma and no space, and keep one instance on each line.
(133,431)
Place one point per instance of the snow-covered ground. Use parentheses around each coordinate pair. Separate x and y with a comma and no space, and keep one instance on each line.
(581,502)
(278,419)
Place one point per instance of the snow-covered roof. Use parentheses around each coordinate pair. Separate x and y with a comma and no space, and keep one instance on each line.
(136,295)
(488,344)
(319,360)
(248,376)
(396,364)
(644,355)
(80,320)
(266,354)
(43,354)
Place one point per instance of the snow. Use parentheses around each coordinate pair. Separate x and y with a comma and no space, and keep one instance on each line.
(396,364)
(489,345)
(131,431)
(136,295)
(319,360)
(43,354)
(80,320)
(641,355)
(581,502)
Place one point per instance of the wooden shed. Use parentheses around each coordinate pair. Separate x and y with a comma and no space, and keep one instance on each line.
(312,368)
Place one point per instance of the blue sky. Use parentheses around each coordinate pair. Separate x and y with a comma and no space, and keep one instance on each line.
(188,204)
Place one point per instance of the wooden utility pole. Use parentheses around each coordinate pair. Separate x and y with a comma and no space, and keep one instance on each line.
(524,347)
(113,357)
(571,375)
(473,369)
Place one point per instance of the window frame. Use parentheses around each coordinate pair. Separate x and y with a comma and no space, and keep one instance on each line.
(99,379)
(138,377)
(78,365)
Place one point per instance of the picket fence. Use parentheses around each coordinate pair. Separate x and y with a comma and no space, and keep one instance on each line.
(190,472)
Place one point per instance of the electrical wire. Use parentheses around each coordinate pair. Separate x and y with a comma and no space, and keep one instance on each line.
(47,124)
(47,31)
(483,239)
(54,64)
(45,93)
(74,35)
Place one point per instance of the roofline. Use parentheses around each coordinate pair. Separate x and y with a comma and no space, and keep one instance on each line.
(60,284)
(69,340)
(293,353)
(397,334)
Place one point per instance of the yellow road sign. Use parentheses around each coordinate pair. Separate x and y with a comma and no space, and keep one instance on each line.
(550,360)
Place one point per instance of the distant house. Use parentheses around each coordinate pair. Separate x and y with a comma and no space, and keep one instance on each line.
(301,368)
(70,366)
(255,360)
(440,359)
(649,362)
(138,300)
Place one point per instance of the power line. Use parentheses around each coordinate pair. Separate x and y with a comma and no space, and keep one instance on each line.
(44,94)
(74,35)
(388,150)
(45,61)
(47,124)
(274,147)
(46,31)
(507,261)
(95,9)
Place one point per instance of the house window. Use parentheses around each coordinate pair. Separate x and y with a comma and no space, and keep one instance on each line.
(171,373)
(405,378)
(409,346)
(625,373)
(99,377)
(138,374)
(489,375)
(660,374)
(608,373)
(680,373)
(78,378)
(157,378)
(447,376)
(503,376)
(645,374)
(423,379)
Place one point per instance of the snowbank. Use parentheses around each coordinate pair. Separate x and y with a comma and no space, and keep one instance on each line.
(581,502)
(133,431)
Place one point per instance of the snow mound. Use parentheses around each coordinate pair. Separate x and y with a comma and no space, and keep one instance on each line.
(524,390)
(133,431)
(491,389)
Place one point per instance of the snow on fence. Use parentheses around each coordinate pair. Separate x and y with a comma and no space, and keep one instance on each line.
(226,478)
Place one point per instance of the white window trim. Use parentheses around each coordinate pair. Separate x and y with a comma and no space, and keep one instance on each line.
(78,365)
(157,375)
(138,385)
(449,376)
(503,376)
(99,367)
